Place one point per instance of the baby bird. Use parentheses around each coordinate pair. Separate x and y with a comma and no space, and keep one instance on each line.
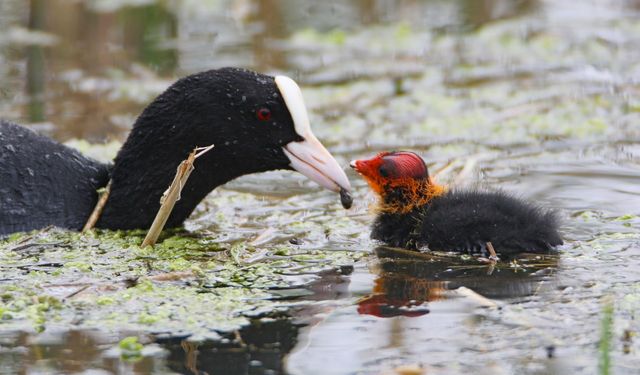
(414,212)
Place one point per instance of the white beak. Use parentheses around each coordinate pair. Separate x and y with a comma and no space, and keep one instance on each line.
(309,156)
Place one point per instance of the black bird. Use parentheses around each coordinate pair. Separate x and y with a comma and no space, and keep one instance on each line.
(415,212)
(255,122)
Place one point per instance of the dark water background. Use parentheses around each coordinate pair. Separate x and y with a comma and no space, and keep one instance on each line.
(541,98)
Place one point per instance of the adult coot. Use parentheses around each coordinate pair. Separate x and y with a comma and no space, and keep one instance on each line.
(415,212)
(256,122)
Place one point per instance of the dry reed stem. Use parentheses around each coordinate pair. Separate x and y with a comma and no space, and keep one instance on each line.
(411,253)
(444,169)
(465,174)
(474,296)
(492,252)
(78,291)
(172,276)
(97,210)
(172,195)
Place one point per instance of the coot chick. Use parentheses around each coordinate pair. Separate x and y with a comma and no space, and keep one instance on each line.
(415,212)
(255,122)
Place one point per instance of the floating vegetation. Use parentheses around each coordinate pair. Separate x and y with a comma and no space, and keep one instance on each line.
(187,283)
(130,348)
(538,98)
(606,338)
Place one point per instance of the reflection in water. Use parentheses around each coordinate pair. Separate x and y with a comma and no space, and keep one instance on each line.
(400,296)
(91,84)
(423,308)
(256,349)
(103,45)
(408,280)
(268,13)
(475,13)
(67,353)
(63,87)
(147,35)
(35,65)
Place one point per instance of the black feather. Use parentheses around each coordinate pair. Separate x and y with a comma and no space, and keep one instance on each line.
(45,183)
(465,220)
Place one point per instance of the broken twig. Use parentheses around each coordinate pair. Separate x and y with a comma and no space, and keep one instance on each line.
(444,169)
(481,300)
(97,211)
(466,172)
(492,252)
(172,195)
(78,291)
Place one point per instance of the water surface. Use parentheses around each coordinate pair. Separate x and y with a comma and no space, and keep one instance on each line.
(539,98)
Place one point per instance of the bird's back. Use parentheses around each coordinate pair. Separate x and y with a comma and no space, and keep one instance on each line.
(465,220)
(43,182)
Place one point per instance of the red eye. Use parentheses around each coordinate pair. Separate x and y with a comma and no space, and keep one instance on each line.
(264,114)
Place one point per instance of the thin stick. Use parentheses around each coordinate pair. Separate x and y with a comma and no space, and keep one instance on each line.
(491,267)
(492,252)
(82,289)
(483,301)
(97,210)
(465,173)
(172,195)
(444,168)
(263,237)
(172,276)
(411,254)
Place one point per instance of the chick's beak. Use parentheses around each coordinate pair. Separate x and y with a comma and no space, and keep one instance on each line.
(361,166)
(309,156)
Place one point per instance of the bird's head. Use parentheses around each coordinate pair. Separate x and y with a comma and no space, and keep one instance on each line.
(255,121)
(400,178)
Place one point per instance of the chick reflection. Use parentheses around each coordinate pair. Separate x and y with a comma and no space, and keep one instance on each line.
(400,295)
(408,280)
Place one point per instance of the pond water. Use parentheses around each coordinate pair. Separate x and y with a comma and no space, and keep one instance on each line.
(538,98)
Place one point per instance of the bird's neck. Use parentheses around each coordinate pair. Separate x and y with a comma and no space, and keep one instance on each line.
(404,196)
(145,167)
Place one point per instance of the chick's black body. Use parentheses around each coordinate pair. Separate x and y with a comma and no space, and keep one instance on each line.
(415,212)
(45,183)
(465,220)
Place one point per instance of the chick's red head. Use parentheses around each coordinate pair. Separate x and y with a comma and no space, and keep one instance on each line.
(392,169)
(400,178)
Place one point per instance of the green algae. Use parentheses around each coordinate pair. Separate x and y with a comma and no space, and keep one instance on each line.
(185,284)
(487,95)
(627,218)
(606,336)
(130,349)
(507,83)
(334,37)
(22,304)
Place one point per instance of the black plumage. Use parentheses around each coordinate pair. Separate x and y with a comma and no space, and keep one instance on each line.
(465,220)
(43,182)
(456,220)
(245,115)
